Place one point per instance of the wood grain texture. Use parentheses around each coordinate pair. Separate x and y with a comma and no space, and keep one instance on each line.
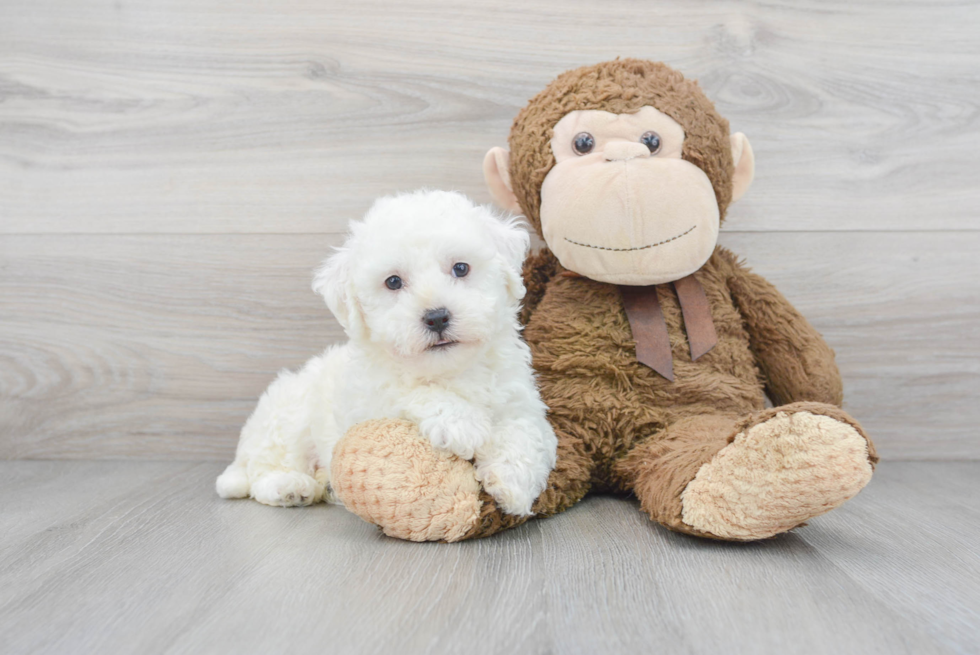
(171,172)
(159,346)
(149,346)
(143,557)
(207,116)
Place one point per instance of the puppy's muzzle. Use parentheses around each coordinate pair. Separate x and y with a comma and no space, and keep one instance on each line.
(436,320)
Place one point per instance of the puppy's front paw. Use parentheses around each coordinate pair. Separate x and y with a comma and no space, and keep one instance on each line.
(457,433)
(510,486)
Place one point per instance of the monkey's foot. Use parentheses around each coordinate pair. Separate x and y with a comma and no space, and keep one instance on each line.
(386,473)
(777,474)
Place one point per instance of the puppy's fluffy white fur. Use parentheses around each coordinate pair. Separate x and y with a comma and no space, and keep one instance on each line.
(475,395)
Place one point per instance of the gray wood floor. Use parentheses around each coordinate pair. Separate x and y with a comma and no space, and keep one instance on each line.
(126,557)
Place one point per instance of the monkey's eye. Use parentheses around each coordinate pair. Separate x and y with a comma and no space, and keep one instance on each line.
(394,283)
(583,143)
(461,269)
(651,140)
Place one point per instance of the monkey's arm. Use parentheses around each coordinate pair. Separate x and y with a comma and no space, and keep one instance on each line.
(797,363)
(538,269)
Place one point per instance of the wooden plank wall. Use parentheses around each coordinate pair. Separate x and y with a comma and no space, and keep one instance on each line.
(171,172)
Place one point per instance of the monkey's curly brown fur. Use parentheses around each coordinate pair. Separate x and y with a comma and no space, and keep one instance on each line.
(621,426)
(622,86)
(624,428)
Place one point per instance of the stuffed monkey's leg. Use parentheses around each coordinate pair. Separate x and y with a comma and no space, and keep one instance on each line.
(387,474)
(660,468)
(752,477)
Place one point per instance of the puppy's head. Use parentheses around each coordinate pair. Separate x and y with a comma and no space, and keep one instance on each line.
(428,278)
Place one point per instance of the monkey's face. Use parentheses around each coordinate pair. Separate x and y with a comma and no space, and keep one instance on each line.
(620,205)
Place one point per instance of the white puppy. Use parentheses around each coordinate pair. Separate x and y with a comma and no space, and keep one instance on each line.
(427,288)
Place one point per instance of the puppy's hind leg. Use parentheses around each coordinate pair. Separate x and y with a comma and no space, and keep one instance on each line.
(286,489)
(233,483)
(276,457)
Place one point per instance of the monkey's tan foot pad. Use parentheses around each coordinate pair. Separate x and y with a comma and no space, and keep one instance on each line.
(776,475)
(386,473)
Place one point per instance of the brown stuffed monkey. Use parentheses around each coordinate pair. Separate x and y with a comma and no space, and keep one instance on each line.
(655,348)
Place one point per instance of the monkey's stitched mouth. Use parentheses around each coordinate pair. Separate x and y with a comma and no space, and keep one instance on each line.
(652,245)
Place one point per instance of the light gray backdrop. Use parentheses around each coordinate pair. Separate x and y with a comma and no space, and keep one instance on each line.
(171,173)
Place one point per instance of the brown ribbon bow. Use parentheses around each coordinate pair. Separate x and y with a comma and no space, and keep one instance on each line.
(650,330)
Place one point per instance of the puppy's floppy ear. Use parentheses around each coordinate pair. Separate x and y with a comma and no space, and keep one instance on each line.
(334,281)
(512,240)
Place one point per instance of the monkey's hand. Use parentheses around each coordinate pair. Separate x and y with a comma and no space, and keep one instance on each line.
(797,363)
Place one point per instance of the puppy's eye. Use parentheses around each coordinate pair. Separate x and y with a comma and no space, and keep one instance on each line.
(583,143)
(394,283)
(651,140)
(461,270)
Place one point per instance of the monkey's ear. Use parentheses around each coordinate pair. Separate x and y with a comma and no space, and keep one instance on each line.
(496,171)
(744,165)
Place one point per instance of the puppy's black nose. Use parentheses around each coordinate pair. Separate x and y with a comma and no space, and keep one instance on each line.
(436,320)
